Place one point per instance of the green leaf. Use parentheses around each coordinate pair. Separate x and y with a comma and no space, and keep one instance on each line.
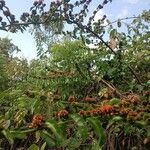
(88,41)
(148,132)
(18,134)
(81,126)
(99,130)
(113,33)
(148,82)
(140,87)
(4,123)
(117,119)
(95,145)
(47,138)
(28,130)
(114,101)
(141,123)
(74,143)
(52,125)
(43,146)
(34,106)
(37,135)
(8,136)
(119,23)
(33,147)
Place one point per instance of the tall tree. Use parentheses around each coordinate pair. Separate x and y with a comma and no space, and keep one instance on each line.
(6,51)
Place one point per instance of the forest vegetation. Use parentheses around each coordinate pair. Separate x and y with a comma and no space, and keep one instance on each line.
(88,89)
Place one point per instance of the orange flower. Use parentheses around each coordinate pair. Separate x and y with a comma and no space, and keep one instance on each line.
(106,109)
(102,110)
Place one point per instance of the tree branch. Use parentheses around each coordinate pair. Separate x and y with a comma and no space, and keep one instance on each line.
(112,87)
(105,43)
(126,18)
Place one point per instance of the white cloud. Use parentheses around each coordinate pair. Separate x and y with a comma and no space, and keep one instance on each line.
(99,15)
(132,1)
(123,13)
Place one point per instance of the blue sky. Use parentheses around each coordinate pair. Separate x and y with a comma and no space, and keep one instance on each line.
(116,9)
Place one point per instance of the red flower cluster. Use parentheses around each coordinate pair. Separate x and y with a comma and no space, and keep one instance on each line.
(102,110)
(106,109)
(37,121)
(62,113)
(94,112)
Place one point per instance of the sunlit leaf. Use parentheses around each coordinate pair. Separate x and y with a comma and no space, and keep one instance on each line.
(43,146)
(99,130)
(114,101)
(37,135)
(4,123)
(141,123)
(8,136)
(117,119)
(47,138)
(33,147)
(81,125)
(113,33)
(18,134)
(56,130)
(95,145)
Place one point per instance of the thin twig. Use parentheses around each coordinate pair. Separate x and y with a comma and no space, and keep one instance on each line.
(96,35)
(132,71)
(112,87)
(126,18)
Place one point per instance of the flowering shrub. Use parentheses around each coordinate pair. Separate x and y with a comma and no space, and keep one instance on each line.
(91,98)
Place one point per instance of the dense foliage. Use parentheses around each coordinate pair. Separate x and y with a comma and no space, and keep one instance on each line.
(82,92)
